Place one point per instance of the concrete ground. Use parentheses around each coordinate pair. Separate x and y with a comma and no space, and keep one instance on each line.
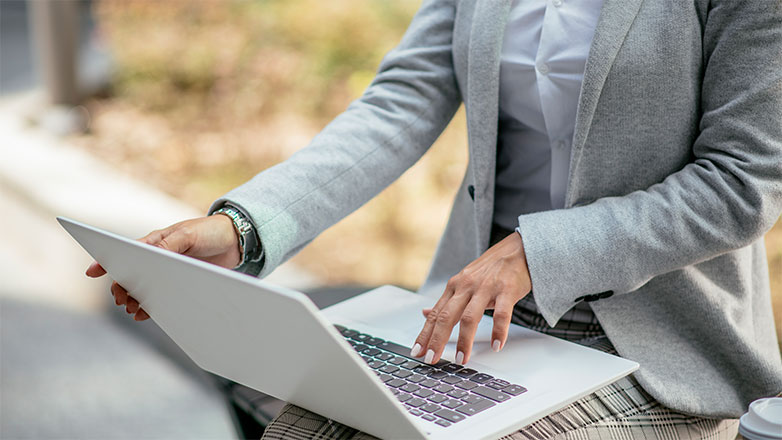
(71,364)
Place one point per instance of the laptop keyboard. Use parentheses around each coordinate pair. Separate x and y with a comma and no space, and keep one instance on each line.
(444,393)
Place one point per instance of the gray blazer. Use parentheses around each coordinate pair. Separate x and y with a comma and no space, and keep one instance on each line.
(675,175)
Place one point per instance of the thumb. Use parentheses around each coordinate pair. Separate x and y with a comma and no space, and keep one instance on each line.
(174,239)
(178,241)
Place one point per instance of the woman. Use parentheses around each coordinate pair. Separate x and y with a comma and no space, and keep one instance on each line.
(625,162)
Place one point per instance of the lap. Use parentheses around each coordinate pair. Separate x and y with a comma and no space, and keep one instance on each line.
(620,410)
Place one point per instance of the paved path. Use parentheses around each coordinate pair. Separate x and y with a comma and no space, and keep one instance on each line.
(76,375)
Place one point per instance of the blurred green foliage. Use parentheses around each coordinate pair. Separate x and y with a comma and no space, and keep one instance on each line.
(250,58)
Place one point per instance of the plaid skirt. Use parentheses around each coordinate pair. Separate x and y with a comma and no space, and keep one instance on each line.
(621,410)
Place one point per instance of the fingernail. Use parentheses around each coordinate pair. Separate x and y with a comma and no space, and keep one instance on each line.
(495,345)
(416,350)
(460,358)
(429,356)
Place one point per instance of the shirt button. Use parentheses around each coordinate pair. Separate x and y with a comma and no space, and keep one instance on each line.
(543,68)
(557,3)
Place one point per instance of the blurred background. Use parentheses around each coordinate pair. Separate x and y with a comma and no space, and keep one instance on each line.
(132,115)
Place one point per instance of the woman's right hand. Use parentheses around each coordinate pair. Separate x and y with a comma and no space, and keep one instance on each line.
(212,239)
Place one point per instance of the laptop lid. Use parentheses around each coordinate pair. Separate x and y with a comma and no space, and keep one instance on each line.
(260,335)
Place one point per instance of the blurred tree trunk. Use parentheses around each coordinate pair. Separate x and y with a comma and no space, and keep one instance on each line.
(55,26)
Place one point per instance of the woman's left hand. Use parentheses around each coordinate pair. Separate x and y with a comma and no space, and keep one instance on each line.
(497,280)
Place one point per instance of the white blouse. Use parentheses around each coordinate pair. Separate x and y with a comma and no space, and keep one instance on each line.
(543,57)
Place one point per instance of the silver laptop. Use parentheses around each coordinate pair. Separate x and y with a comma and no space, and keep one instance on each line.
(350,362)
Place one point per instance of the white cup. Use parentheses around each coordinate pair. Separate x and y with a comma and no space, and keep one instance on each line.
(763,421)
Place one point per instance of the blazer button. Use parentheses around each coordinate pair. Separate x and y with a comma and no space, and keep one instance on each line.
(471,191)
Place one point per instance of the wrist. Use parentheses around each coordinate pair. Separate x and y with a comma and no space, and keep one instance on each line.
(244,233)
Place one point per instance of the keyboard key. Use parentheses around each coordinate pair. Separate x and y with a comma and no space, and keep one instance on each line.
(429,383)
(410,365)
(451,380)
(388,369)
(403,397)
(429,417)
(423,369)
(397,360)
(514,390)
(466,384)
(360,347)
(394,391)
(384,356)
(416,412)
(472,398)
(452,403)
(437,398)
(466,372)
(481,378)
(451,368)
(385,377)
(437,374)
(441,363)
(442,422)
(423,393)
(352,342)
(376,364)
(371,351)
(430,407)
(361,337)
(443,388)
(395,383)
(497,384)
(489,393)
(401,350)
(415,378)
(340,328)
(415,402)
(374,341)
(402,373)
(475,408)
(348,333)
(367,359)
(457,394)
(449,415)
(410,387)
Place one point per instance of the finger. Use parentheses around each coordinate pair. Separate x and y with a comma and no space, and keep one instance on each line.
(503,312)
(446,320)
(132,305)
(468,325)
(120,294)
(155,236)
(179,241)
(95,270)
(141,315)
(426,332)
(426,312)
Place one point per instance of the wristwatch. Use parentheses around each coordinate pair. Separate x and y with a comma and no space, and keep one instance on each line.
(250,250)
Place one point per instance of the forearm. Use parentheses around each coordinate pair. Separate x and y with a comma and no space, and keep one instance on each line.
(409,103)
(727,197)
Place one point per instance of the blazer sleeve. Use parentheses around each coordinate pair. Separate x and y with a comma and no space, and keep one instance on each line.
(723,200)
(408,104)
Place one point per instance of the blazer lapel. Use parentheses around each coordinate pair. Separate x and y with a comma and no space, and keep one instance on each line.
(615,20)
(482,104)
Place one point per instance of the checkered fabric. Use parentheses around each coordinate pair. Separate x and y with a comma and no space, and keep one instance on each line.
(622,410)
